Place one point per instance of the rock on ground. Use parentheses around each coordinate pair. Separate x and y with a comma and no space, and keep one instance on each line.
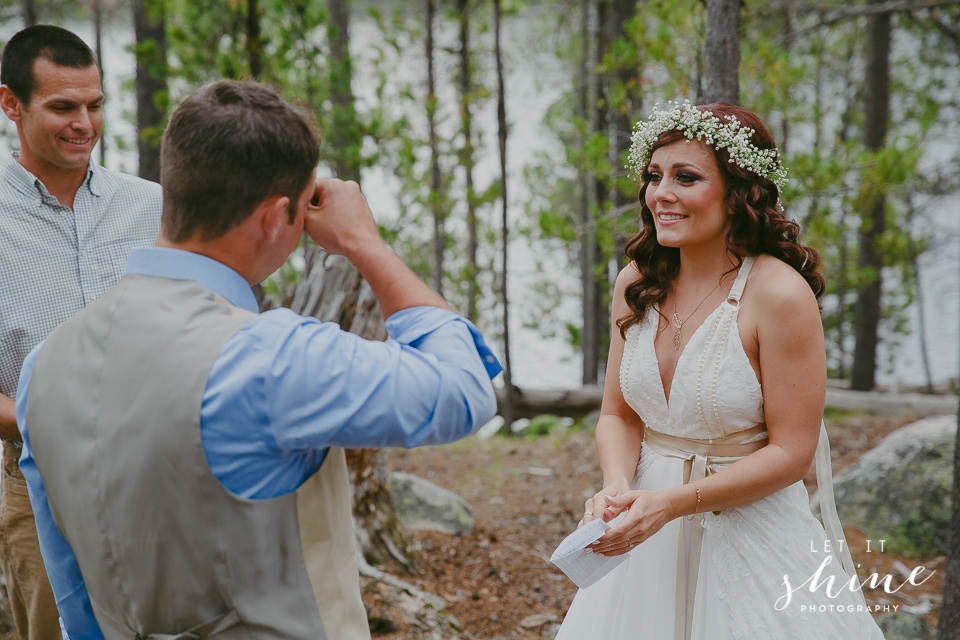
(900,490)
(905,626)
(422,505)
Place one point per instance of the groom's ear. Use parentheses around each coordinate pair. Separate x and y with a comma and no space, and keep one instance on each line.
(273,214)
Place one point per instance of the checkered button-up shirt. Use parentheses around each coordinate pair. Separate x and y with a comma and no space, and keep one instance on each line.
(55,260)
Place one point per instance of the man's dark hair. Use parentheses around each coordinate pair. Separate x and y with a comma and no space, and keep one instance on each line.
(227,148)
(59,46)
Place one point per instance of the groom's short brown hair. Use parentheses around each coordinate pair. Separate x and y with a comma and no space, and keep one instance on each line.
(227,148)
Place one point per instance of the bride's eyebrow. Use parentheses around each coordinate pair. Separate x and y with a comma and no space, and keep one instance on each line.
(675,166)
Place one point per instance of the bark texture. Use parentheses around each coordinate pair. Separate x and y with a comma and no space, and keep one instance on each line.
(345,137)
(151,49)
(507,407)
(467,159)
(28,9)
(590,332)
(98,50)
(254,46)
(591,254)
(436,180)
(948,626)
(723,51)
(876,104)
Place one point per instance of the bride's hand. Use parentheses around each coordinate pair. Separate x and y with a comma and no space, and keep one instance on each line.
(596,507)
(647,511)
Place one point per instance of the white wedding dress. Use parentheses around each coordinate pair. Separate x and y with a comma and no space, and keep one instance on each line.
(746,551)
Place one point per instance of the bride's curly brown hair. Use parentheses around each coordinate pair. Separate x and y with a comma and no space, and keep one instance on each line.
(757,226)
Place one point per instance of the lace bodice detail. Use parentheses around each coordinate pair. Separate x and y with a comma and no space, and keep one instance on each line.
(715,391)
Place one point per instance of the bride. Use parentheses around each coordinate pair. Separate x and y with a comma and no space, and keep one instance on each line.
(712,406)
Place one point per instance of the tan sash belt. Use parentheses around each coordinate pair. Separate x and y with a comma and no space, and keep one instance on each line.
(697,455)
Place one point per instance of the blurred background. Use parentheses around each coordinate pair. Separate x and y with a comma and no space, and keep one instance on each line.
(406,97)
(490,138)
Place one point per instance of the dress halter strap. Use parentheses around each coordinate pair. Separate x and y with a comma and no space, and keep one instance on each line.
(737,289)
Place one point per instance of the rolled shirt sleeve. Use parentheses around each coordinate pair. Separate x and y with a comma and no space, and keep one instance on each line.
(314,385)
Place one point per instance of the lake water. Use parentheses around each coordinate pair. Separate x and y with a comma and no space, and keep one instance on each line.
(540,353)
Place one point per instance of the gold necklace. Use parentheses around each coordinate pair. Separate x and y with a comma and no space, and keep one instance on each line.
(678,320)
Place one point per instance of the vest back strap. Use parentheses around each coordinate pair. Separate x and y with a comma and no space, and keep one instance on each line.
(207,629)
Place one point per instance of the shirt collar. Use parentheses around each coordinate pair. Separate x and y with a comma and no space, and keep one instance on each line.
(177,264)
(29,184)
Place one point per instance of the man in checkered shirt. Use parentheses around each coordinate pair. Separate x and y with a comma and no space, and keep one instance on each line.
(66,227)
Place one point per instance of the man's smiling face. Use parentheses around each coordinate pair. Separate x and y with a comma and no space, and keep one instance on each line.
(62,122)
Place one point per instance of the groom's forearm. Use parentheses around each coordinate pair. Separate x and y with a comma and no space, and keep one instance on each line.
(395,286)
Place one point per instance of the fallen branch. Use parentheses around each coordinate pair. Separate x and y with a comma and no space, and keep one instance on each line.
(577,403)
(432,600)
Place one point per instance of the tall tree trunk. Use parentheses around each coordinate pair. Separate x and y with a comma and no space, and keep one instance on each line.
(504,298)
(701,63)
(625,80)
(151,50)
(254,46)
(876,100)
(28,10)
(436,201)
(593,261)
(345,136)
(922,322)
(842,291)
(589,335)
(948,626)
(922,316)
(723,51)
(98,49)
(625,74)
(331,290)
(788,41)
(467,161)
(843,276)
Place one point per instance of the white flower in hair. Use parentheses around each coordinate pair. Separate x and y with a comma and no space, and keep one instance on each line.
(705,126)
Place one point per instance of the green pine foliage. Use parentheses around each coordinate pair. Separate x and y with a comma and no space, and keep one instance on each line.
(802,67)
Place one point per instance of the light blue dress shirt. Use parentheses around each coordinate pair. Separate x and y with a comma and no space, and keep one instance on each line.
(284,389)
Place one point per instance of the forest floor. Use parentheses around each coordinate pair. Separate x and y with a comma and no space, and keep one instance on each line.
(527,493)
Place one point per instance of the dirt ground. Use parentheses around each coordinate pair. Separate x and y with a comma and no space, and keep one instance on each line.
(528,493)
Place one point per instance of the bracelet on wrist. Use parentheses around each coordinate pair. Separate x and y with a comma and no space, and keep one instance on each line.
(696,508)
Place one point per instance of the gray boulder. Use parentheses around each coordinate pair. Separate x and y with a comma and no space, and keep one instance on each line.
(422,505)
(905,626)
(899,491)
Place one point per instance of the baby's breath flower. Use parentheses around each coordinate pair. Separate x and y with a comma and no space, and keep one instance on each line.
(708,128)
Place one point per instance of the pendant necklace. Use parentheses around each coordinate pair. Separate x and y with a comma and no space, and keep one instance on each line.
(678,321)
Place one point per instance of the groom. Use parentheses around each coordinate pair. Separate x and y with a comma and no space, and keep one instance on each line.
(168,427)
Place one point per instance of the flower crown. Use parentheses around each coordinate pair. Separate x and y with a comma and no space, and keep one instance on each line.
(705,126)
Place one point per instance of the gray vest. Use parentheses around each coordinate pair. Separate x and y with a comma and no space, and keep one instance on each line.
(164,548)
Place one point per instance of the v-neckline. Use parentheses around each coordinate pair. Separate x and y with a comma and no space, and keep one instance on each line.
(683,352)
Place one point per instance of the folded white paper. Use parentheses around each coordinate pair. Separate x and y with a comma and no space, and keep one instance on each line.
(582,567)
